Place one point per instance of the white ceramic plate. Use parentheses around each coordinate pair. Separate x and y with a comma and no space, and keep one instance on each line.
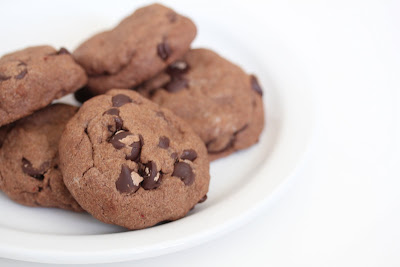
(240,183)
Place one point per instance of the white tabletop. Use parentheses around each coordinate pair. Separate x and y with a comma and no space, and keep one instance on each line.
(342,206)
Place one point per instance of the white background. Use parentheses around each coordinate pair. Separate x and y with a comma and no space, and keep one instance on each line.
(342,206)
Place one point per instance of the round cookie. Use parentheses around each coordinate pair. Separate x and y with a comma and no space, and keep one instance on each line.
(131,163)
(218,99)
(29,164)
(142,45)
(32,78)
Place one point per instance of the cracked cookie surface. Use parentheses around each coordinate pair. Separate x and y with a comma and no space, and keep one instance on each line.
(140,46)
(32,78)
(218,99)
(131,163)
(29,164)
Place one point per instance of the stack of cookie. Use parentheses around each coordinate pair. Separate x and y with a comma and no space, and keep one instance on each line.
(155,112)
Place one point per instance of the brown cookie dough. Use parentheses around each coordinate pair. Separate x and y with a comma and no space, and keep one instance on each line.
(32,78)
(218,99)
(131,163)
(29,171)
(142,45)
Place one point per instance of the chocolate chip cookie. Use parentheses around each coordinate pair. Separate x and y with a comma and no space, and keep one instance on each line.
(29,165)
(218,99)
(131,163)
(32,78)
(142,45)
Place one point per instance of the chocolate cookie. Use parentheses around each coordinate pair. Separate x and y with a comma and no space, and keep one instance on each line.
(29,171)
(142,45)
(131,163)
(31,78)
(218,99)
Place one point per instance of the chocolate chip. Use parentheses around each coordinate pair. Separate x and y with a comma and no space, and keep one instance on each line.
(174,155)
(135,152)
(151,177)
(117,126)
(178,68)
(21,63)
(63,51)
(211,146)
(116,139)
(120,100)
(83,94)
(255,85)
(21,75)
(163,50)
(28,169)
(172,16)
(112,111)
(118,120)
(184,171)
(118,123)
(4,77)
(230,143)
(141,140)
(128,181)
(176,72)
(163,142)
(203,199)
(176,85)
(189,154)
